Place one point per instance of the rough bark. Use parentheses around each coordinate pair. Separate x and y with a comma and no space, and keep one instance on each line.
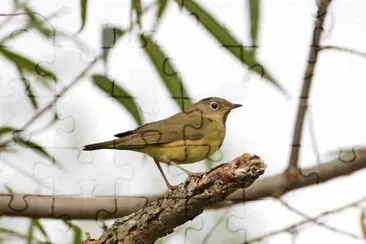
(184,203)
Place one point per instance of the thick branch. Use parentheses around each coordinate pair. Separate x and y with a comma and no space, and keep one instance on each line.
(277,185)
(307,80)
(185,202)
(36,206)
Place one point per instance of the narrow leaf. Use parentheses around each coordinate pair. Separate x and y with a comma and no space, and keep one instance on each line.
(36,148)
(30,232)
(363,222)
(117,92)
(227,40)
(39,226)
(77,234)
(12,233)
(27,88)
(26,64)
(5,130)
(162,6)
(29,92)
(110,36)
(137,7)
(83,13)
(254,13)
(8,189)
(76,229)
(167,71)
(38,24)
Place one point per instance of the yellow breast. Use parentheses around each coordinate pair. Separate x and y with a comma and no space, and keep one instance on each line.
(189,151)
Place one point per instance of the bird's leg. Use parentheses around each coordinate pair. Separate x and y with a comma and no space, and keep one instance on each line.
(170,187)
(189,173)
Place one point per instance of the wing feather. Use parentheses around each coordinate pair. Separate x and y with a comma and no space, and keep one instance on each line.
(182,126)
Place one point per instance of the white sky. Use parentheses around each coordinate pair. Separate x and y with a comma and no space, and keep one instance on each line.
(262,126)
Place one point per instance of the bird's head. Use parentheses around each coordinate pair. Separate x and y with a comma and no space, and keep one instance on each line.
(215,108)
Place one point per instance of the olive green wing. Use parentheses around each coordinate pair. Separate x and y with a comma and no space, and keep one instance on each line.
(182,126)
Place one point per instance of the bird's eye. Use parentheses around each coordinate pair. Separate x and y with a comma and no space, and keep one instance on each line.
(214,106)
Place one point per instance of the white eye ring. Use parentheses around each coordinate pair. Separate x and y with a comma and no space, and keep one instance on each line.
(214,106)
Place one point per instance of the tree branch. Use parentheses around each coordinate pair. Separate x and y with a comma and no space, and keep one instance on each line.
(306,221)
(308,78)
(74,207)
(184,203)
(318,222)
(278,185)
(343,49)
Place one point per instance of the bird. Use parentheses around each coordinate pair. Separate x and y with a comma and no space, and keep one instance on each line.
(186,137)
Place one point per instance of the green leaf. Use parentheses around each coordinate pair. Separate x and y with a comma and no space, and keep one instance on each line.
(117,92)
(5,130)
(110,36)
(36,148)
(83,13)
(227,40)
(363,222)
(12,233)
(28,88)
(36,223)
(76,229)
(254,13)
(166,70)
(30,232)
(137,7)
(26,64)
(29,92)
(162,6)
(8,189)
(38,24)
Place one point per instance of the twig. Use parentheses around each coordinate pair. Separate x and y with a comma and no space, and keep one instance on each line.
(343,49)
(303,222)
(214,227)
(317,222)
(185,202)
(307,81)
(76,207)
(57,96)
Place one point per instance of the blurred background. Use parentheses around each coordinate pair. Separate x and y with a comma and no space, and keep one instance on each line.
(141,58)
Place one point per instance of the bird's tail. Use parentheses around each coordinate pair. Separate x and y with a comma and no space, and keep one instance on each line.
(101,145)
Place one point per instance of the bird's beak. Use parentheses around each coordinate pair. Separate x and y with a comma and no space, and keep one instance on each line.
(235,106)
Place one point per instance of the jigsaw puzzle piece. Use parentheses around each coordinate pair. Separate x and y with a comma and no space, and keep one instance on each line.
(235,224)
(48,175)
(347,156)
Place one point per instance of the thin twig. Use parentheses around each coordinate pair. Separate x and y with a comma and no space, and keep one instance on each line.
(214,227)
(11,15)
(307,81)
(343,49)
(57,96)
(303,222)
(62,92)
(317,222)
